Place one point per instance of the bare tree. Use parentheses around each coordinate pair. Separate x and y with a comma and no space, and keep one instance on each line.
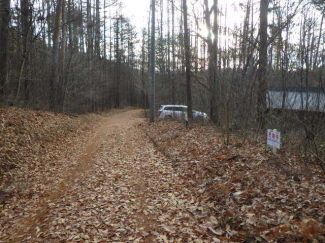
(53,82)
(188,62)
(25,33)
(262,82)
(4,37)
(152,63)
(214,64)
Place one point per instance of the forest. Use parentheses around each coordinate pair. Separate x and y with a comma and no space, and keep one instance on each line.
(80,162)
(83,56)
(223,58)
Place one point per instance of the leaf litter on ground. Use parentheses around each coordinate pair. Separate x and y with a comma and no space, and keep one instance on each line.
(251,197)
(122,180)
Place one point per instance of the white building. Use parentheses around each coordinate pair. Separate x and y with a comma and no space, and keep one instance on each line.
(297,98)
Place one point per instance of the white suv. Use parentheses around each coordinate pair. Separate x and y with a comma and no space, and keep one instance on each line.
(178,112)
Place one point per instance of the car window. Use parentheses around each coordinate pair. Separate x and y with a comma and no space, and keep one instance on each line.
(175,108)
(180,108)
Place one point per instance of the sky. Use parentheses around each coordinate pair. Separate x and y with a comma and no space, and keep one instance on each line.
(138,10)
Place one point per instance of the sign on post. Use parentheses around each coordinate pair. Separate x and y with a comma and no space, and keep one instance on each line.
(273,138)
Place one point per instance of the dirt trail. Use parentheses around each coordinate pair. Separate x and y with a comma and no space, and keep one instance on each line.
(85,161)
(120,189)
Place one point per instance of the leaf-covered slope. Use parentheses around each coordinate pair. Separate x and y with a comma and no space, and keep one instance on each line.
(31,140)
(250,193)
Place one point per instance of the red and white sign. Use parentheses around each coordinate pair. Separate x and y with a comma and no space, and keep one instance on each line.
(273,138)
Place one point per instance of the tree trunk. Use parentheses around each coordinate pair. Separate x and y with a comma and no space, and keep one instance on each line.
(4,35)
(55,56)
(214,65)
(212,56)
(262,82)
(162,51)
(105,51)
(187,62)
(89,32)
(143,61)
(117,65)
(97,32)
(173,52)
(62,69)
(168,53)
(152,63)
(25,25)
(49,22)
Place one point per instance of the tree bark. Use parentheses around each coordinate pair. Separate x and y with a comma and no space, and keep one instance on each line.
(26,15)
(97,30)
(4,34)
(117,64)
(89,32)
(262,82)
(187,62)
(212,56)
(214,64)
(55,56)
(152,63)
(173,53)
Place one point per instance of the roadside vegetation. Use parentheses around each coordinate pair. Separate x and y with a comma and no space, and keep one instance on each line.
(253,194)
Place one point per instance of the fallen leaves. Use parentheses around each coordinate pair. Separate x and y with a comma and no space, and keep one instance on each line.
(186,187)
(310,229)
(38,145)
(253,199)
(117,176)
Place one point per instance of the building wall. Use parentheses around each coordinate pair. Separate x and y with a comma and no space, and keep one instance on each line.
(297,101)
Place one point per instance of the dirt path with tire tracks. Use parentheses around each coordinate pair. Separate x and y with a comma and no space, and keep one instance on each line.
(122,190)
